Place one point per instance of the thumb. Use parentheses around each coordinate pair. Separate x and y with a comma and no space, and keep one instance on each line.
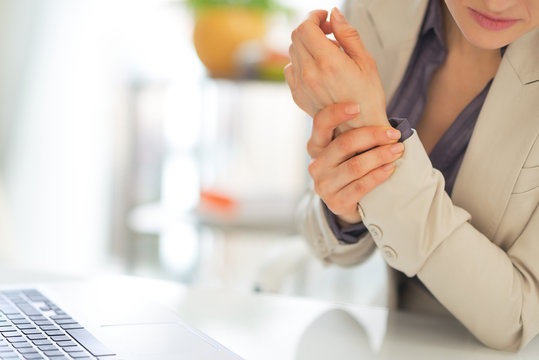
(347,36)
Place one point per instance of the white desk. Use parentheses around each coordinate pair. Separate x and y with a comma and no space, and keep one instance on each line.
(260,327)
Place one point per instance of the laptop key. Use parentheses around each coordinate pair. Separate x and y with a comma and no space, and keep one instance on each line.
(9,355)
(42,342)
(37,337)
(8,309)
(53,353)
(79,355)
(28,309)
(60,338)
(47,348)
(65,321)
(12,333)
(89,342)
(37,317)
(49,327)
(32,356)
(4,329)
(15,316)
(54,332)
(26,326)
(42,322)
(22,345)
(16,339)
(66,343)
(71,349)
(71,326)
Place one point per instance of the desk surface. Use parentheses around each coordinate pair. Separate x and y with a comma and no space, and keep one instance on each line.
(260,327)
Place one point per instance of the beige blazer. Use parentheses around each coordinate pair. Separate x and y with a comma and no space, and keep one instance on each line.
(478,251)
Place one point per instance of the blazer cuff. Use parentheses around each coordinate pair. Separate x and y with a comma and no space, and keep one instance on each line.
(348,234)
(321,239)
(410,214)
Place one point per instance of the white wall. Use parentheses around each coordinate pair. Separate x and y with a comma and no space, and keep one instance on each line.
(65,70)
(57,170)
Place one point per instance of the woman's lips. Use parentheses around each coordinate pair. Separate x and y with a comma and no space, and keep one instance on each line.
(492,23)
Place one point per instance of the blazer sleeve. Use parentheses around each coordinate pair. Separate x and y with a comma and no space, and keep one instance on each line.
(494,293)
(321,239)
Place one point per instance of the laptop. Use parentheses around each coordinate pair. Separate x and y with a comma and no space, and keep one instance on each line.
(83,320)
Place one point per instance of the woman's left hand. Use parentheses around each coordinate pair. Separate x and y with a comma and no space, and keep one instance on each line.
(321,74)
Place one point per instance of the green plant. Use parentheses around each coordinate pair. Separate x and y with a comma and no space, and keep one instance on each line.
(262,5)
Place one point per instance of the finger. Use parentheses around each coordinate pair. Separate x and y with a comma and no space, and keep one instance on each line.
(334,180)
(302,94)
(301,57)
(345,201)
(348,37)
(359,166)
(308,80)
(318,17)
(357,141)
(325,122)
(289,76)
(295,61)
(312,34)
(336,43)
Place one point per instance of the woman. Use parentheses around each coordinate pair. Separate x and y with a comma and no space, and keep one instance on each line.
(452,205)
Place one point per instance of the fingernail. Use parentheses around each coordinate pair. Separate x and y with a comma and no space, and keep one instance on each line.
(388,167)
(338,16)
(352,109)
(393,134)
(397,148)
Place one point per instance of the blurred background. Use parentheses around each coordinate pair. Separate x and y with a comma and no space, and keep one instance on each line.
(157,138)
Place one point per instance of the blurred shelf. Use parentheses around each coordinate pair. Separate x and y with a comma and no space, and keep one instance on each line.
(276,214)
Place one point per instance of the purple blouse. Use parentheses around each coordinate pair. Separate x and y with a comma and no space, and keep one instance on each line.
(408,104)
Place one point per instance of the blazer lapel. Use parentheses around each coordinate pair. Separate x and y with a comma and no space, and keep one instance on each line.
(405,15)
(395,47)
(506,129)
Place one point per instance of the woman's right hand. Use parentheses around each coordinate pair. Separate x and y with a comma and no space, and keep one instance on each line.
(347,167)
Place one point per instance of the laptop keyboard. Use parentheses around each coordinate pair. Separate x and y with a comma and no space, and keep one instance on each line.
(33,327)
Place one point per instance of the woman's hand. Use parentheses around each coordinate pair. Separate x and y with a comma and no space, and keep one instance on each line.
(341,177)
(321,74)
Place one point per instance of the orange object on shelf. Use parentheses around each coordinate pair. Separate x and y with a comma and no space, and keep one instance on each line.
(216,201)
(220,31)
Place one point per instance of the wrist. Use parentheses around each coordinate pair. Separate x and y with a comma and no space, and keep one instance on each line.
(348,220)
(380,119)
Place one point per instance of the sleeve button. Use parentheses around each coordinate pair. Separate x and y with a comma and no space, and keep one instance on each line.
(375,231)
(389,254)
